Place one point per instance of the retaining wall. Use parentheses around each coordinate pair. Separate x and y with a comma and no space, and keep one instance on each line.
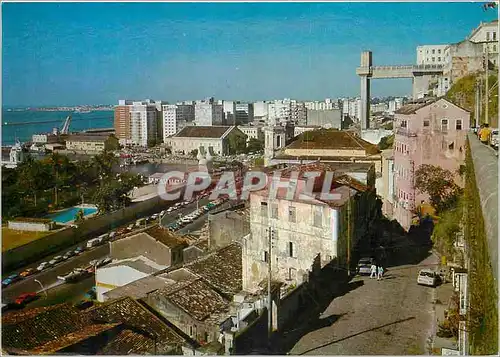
(485,161)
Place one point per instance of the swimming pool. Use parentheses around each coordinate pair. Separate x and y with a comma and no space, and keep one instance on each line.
(69,214)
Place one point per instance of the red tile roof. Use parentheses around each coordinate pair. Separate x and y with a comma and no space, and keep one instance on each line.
(202,132)
(332,139)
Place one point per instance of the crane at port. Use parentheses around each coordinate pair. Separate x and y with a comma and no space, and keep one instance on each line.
(65,127)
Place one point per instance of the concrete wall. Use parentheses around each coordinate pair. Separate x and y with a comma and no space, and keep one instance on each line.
(325,118)
(485,161)
(31,226)
(225,228)
(198,330)
(373,136)
(141,244)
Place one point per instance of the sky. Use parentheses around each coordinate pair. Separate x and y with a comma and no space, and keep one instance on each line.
(93,53)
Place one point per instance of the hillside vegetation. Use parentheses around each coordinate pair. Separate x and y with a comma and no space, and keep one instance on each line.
(463,93)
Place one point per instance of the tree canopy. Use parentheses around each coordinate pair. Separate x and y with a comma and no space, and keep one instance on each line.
(36,186)
(439,184)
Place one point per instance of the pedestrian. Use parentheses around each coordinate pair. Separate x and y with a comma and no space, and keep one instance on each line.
(484,134)
(373,271)
(380,272)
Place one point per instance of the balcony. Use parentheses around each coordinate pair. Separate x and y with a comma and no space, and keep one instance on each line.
(406,132)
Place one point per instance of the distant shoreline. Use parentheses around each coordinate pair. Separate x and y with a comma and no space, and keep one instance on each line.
(58,109)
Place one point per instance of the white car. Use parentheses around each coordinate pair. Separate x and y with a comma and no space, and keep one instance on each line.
(130,227)
(494,138)
(427,277)
(55,260)
(42,266)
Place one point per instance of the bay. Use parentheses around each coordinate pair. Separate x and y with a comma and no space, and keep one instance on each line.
(23,124)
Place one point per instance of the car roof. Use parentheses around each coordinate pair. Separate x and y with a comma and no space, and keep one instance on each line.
(427,271)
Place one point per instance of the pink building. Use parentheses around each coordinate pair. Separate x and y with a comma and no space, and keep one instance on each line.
(433,133)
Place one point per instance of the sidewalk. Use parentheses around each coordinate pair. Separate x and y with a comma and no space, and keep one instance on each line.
(442,297)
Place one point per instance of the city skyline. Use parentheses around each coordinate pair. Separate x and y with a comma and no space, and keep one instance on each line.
(74,53)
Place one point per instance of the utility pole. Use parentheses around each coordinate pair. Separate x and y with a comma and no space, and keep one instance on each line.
(269,271)
(349,231)
(477,112)
(486,117)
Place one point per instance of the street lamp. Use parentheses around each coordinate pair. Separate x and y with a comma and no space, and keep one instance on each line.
(41,285)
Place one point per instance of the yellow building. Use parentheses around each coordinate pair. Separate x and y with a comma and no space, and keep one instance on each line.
(92,143)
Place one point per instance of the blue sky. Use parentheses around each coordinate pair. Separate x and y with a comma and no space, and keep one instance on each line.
(77,53)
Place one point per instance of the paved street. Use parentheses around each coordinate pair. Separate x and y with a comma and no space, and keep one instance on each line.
(392,316)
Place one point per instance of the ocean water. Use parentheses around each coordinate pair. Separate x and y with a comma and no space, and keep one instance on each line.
(22,125)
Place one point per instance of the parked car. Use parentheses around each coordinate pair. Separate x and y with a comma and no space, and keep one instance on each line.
(6,282)
(103,262)
(27,272)
(112,235)
(140,222)
(69,254)
(427,277)
(25,298)
(154,216)
(364,266)
(93,242)
(42,266)
(78,250)
(494,138)
(55,260)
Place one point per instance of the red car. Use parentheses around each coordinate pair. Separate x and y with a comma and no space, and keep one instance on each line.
(25,298)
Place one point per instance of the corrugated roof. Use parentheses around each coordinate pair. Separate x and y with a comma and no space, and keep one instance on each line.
(331,139)
(202,132)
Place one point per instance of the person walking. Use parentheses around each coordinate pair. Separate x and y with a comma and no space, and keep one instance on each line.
(373,271)
(380,272)
(484,134)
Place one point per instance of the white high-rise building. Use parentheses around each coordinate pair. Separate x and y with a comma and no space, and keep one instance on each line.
(260,109)
(279,111)
(207,113)
(144,122)
(287,111)
(327,104)
(176,117)
(431,54)
(487,34)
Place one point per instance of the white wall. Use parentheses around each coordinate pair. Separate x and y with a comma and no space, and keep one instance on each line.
(116,276)
(431,54)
